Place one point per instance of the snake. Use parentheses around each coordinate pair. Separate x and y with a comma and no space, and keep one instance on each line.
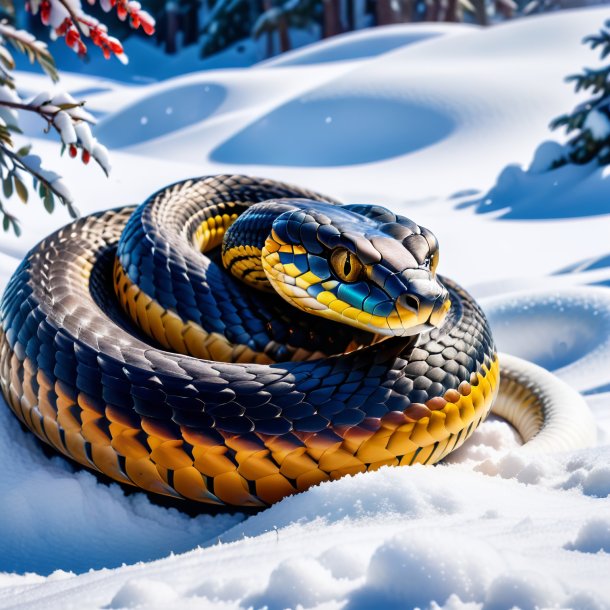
(235,340)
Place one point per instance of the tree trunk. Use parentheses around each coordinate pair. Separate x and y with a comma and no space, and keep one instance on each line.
(284,36)
(332,18)
(385,14)
(452,11)
(190,23)
(480,12)
(406,11)
(269,52)
(433,11)
(171,31)
(351,15)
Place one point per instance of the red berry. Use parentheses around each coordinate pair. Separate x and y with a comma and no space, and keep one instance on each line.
(147,26)
(86,156)
(71,37)
(114,45)
(45,12)
(72,150)
(121,11)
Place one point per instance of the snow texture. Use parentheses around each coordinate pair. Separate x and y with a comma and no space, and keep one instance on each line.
(437,122)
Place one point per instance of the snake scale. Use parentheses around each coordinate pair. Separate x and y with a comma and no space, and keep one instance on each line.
(172,346)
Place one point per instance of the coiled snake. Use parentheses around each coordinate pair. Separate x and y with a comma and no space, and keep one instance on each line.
(233,394)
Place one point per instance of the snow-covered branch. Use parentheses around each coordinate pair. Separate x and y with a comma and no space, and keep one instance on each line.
(61,112)
(67,19)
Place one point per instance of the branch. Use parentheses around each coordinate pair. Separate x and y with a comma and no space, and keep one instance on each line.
(62,193)
(36,50)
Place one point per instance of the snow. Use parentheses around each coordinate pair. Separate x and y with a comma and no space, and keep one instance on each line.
(445,124)
(598,124)
(364,44)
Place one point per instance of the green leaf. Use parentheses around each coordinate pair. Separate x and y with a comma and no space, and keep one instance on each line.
(21,189)
(24,150)
(7,186)
(6,58)
(16,227)
(6,223)
(49,202)
(69,106)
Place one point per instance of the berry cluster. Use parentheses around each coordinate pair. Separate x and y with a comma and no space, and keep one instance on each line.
(74,24)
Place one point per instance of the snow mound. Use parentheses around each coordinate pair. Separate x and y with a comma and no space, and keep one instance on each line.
(326,129)
(160,114)
(523,590)
(142,592)
(99,527)
(300,581)
(529,194)
(593,537)
(414,569)
(363,44)
(567,331)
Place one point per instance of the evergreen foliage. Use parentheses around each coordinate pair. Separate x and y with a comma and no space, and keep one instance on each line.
(589,122)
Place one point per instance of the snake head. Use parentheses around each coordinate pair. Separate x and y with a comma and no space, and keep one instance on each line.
(359,265)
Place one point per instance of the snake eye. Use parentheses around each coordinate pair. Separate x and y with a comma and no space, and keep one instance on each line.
(434,262)
(346,265)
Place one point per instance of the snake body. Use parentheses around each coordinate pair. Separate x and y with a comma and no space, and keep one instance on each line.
(181,381)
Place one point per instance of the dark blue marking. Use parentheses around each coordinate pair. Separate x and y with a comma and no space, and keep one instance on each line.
(383,309)
(348,417)
(309,237)
(315,289)
(321,395)
(395,285)
(286,258)
(319,266)
(332,407)
(329,236)
(300,260)
(293,229)
(379,274)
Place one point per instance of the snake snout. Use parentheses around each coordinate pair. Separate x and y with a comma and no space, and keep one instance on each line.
(440,306)
(426,299)
(409,302)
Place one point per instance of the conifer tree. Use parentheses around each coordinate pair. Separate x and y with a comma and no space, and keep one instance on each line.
(589,123)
